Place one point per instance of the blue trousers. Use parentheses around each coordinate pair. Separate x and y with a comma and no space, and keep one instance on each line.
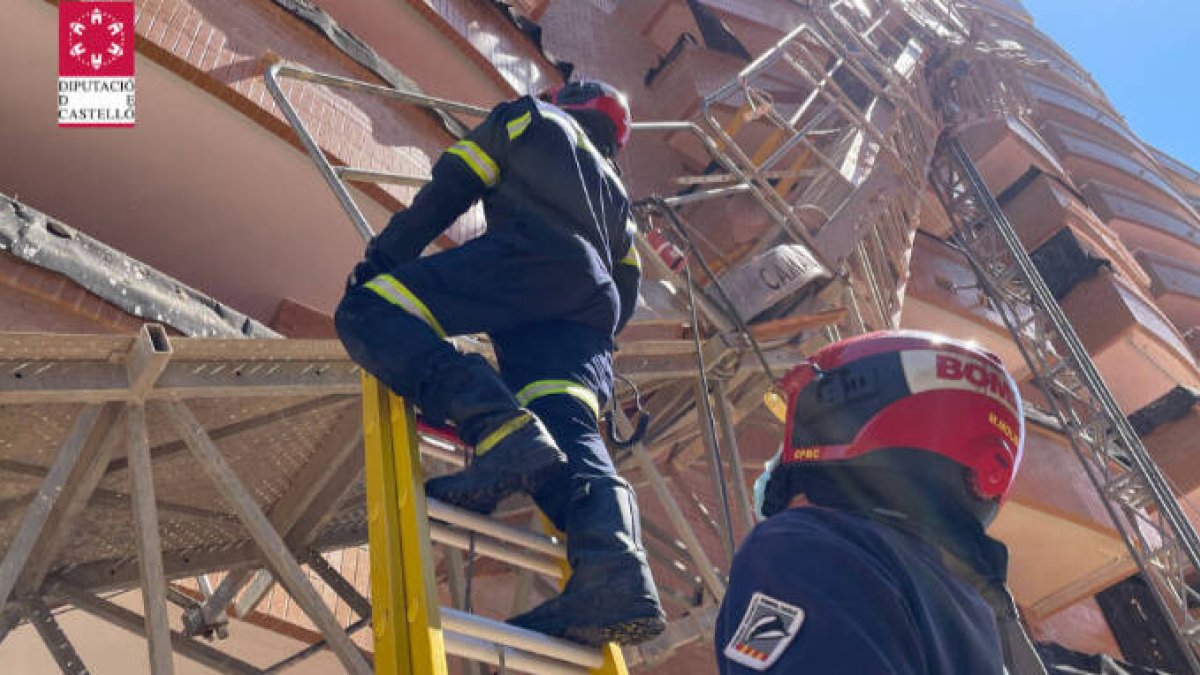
(549,307)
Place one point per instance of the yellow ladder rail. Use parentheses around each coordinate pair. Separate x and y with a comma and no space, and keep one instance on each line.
(405,616)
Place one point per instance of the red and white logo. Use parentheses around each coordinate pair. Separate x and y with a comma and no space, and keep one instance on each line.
(928,370)
(96,63)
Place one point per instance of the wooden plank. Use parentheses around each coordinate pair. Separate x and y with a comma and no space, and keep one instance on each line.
(792,326)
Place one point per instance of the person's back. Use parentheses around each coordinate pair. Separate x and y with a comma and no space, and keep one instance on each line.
(899,448)
(873,599)
(552,281)
(556,182)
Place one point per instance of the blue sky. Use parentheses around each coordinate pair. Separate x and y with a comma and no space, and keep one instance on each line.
(1145,54)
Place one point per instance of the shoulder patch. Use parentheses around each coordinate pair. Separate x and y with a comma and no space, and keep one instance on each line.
(765,631)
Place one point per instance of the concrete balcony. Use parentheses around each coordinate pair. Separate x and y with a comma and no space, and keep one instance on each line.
(1072,108)
(1175,285)
(1045,206)
(1138,352)
(1005,148)
(679,86)
(758,24)
(1045,55)
(1091,159)
(1063,548)
(1146,223)
(1169,428)
(941,297)
(1183,177)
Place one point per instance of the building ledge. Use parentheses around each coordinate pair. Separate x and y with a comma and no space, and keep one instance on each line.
(127,283)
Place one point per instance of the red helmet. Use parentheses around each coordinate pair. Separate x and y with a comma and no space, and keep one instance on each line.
(593,95)
(912,395)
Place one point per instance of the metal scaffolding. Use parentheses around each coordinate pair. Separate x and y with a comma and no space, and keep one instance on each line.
(137,461)
(1138,499)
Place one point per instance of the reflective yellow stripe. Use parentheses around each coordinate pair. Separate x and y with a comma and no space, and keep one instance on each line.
(478,160)
(518,126)
(398,294)
(537,389)
(502,432)
(632,258)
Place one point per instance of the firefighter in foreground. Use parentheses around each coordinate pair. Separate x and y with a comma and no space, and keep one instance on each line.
(551,281)
(898,451)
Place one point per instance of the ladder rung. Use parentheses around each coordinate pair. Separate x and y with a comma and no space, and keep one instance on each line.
(489,653)
(351,173)
(536,562)
(493,528)
(436,448)
(500,633)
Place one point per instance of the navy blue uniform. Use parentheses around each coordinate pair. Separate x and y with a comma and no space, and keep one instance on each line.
(841,593)
(552,280)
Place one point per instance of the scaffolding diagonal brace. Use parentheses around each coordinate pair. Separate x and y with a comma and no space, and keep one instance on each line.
(281,560)
(48,521)
(130,621)
(55,639)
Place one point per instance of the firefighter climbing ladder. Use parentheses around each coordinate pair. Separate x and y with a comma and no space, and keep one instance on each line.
(412,634)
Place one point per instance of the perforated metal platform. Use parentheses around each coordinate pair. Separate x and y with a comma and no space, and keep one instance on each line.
(274,408)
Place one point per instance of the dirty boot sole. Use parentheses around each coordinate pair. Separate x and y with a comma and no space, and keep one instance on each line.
(631,632)
(481,487)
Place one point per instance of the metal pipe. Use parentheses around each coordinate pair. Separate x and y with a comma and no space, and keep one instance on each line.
(659,485)
(486,652)
(440,451)
(484,525)
(500,633)
(716,470)
(372,176)
(311,650)
(729,433)
(423,100)
(702,195)
(444,534)
(314,150)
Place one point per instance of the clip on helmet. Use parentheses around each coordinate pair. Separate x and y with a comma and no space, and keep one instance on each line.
(913,395)
(595,99)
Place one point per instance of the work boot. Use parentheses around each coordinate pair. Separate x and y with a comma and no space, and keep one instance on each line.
(516,455)
(610,596)
(513,450)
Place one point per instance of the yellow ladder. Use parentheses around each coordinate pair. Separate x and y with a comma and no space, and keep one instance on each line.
(413,635)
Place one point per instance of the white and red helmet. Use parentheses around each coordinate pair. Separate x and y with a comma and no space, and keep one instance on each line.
(599,98)
(926,399)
